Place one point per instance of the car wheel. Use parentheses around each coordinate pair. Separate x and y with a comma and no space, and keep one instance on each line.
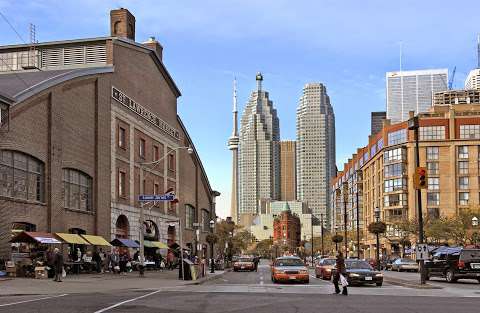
(307,281)
(379,284)
(317,276)
(450,276)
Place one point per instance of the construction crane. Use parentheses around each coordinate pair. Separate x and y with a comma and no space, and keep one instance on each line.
(450,81)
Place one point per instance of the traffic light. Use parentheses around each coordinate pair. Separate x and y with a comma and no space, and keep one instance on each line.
(420,178)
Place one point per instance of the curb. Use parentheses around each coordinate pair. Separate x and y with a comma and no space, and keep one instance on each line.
(209,278)
(409,284)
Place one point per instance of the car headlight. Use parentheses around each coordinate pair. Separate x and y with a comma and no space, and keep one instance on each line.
(328,270)
(303,272)
(379,275)
(353,275)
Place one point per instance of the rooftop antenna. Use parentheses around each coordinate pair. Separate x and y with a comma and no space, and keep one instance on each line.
(478,51)
(32,52)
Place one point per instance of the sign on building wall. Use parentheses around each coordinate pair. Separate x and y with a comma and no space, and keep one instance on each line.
(143,112)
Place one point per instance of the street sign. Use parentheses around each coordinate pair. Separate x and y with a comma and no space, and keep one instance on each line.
(421,251)
(165,197)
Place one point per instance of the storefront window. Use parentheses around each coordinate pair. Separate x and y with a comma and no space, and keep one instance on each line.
(77,190)
(21,176)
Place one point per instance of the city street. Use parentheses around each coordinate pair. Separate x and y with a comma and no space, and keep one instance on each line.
(252,292)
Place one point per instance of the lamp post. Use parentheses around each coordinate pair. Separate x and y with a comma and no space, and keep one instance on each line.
(336,243)
(377,219)
(414,125)
(345,199)
(311,233)
(358,176)
(142,214)
(179,221)
(212,262)
(474,234)
(321,233)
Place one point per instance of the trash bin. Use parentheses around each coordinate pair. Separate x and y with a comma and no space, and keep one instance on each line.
(186,269)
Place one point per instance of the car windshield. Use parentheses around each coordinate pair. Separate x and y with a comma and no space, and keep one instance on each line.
(468,255)
(328,262)
(358,265)
(289,262)
(245,260)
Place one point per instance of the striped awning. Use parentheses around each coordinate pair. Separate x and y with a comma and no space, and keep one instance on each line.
(72,238)
(96,240)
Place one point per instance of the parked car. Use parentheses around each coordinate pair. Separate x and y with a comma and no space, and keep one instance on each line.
(360,272)
(323,268)
(454,264)
(289,268)
(244,263)
(404,265)
(388,263)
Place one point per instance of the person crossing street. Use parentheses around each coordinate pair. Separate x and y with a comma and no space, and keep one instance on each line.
(341,271)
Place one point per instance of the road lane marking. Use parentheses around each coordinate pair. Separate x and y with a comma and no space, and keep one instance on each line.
(32,300)
(127,301)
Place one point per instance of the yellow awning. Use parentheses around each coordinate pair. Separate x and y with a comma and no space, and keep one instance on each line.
(72,238)
(97,240)
(159,244)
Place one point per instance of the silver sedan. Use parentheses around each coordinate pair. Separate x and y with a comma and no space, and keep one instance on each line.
(404,265)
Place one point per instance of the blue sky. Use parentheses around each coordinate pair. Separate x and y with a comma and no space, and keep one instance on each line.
(347,45)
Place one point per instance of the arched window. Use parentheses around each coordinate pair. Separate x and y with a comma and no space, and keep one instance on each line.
(21,176)
(77,190)
(122,227)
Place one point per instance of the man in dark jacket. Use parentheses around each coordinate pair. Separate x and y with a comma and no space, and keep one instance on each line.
(340,270)
(58,265)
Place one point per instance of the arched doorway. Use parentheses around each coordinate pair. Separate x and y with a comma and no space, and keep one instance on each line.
(122,227)
(171,233)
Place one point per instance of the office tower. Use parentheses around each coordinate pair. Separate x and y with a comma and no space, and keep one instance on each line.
(259,160)
(413,91)
(233,145)
(287,170)
(473,80)
(315,148)
(376,121)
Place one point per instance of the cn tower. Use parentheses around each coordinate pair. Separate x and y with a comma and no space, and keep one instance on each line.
(233,145)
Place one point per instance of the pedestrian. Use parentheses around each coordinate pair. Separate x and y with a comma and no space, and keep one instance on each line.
(115,261)
(170,258)
(340,271)
(97,260)
(58,265)
(256,259)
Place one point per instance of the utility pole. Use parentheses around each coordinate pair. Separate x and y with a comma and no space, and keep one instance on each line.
(413,125)
(321,225)
(311,229)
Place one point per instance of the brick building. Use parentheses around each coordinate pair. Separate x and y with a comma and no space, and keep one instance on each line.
(85,114)
(381,173)
(286,229)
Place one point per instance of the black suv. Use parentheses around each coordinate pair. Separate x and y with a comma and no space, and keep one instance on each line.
(454,264)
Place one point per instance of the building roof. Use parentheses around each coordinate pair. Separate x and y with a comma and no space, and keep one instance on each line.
(21,85)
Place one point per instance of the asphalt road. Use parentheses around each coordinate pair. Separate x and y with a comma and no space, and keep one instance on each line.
(251,292)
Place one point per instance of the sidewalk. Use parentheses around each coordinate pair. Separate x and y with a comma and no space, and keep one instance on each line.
(88,283)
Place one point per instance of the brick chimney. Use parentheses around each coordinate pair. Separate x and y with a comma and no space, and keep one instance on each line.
(122,24)
(153,44)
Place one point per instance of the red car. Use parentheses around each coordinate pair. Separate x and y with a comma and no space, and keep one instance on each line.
(323,269)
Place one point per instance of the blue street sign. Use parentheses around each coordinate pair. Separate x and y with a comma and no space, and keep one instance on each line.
(166,197)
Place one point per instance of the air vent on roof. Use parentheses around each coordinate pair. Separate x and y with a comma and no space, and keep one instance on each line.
(52,57)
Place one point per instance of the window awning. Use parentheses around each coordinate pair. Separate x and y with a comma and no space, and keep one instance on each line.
(148,244)
(120,242)
(96,240)
(159,245)
(72,238)
(36,237)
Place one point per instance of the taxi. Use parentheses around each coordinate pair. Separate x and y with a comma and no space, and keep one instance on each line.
(289,269)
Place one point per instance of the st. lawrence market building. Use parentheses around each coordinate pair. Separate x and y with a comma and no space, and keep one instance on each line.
(79,119)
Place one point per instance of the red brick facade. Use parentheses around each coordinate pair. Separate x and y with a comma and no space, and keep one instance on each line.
(286,230)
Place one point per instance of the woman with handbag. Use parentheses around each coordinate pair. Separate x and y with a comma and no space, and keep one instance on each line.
(340,275)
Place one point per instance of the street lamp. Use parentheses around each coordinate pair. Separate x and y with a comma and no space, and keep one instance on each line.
(321,232)
(336,243)
(377,219)
(142,215)
(345,199)
(212,262)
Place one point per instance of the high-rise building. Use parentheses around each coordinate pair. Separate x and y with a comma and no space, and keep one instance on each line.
(287,170)
(315,148)
(259,157)
(376,121)
(473,79)
(233,145)
(413,91)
